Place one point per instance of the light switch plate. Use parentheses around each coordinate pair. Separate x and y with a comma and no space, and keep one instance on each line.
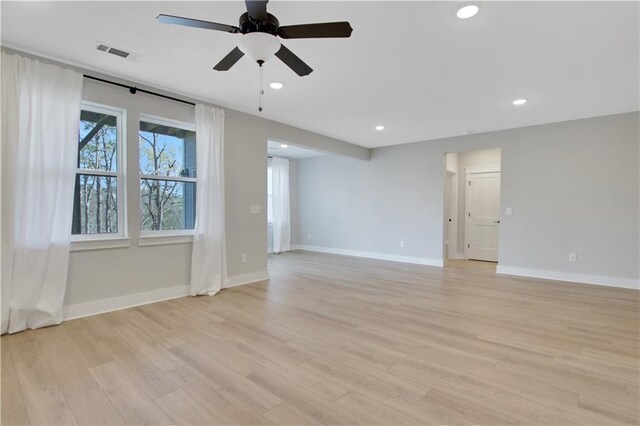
(573,257)
(255,208)
(509,211)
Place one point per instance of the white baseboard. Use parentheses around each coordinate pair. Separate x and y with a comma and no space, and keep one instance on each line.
(460,256)
(253,277)
(121,302)
(371,255)
(570,277)
(102,306)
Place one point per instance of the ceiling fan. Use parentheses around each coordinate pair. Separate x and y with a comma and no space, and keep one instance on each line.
(260,32)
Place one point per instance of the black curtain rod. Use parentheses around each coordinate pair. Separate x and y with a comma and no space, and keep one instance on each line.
(133,90)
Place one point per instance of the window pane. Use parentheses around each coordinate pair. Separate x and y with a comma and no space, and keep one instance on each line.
(98,141)
(95,209)
(167,204)
(167,151)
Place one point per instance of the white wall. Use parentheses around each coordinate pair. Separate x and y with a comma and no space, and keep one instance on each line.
(573,187)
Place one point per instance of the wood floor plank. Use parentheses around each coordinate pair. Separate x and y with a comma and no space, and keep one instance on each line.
(94,408)
(224,405)
(341,340)
(131,402)
(183,409)
(72,375)
(310,403)
(13,410)
(287,414)
(44,399)
(226,379)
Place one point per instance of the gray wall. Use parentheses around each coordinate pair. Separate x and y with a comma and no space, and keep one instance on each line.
(106,273)
(573,187)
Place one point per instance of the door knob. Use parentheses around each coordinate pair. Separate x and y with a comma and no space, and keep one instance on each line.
(497,221)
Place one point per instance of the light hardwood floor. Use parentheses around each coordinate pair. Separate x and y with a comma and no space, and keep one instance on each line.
(340,340)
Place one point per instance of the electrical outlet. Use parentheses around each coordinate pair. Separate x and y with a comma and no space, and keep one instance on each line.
(255,208)
(308,236)
(401,244)
(573,257)
(243,258)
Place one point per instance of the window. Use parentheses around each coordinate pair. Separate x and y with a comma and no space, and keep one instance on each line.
(269,194)
(167,175)
(98,207)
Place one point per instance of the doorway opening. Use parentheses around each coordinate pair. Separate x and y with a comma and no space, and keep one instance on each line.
(472,208)
(283,160)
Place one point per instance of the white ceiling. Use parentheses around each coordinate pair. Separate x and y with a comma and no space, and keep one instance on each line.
(412,66)
(293,152)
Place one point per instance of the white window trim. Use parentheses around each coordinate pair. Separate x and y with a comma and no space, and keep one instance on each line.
(93,241)
(101,243)
(160,238)
(171,178)
(166,122)
(164,236)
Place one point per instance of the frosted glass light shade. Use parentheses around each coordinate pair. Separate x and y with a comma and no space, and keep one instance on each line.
(259,46)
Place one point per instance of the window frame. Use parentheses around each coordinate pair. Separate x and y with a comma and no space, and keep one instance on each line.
(154,237)
(121,237)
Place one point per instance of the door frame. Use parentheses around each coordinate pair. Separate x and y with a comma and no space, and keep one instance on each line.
(452,174)
(475,170)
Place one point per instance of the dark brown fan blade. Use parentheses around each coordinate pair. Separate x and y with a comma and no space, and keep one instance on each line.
(292,61)
(324,30)
(229,60)
(196,23)
(257,9)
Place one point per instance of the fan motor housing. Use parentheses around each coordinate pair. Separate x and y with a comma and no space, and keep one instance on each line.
(247,25)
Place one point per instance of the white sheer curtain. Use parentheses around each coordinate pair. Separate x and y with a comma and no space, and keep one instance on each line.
(281,208)
(208,261)
(40,120)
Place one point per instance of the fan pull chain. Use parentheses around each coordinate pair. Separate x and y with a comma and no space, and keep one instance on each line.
(261,86)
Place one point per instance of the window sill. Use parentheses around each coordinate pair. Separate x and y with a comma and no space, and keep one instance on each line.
(101,243)
(164,239)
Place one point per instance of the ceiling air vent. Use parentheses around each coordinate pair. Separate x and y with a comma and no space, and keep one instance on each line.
(118,52)
(102,47)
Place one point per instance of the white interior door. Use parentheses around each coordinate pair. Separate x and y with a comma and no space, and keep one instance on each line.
(483,216)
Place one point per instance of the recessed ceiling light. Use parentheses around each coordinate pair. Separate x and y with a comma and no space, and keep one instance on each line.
(276,85)
(519,102)
(380,127)
(467,11)
(283,145)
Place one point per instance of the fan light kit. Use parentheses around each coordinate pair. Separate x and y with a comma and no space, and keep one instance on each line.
(260,37)
(467,11)
(519,102)
(380,128)
(276,85)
